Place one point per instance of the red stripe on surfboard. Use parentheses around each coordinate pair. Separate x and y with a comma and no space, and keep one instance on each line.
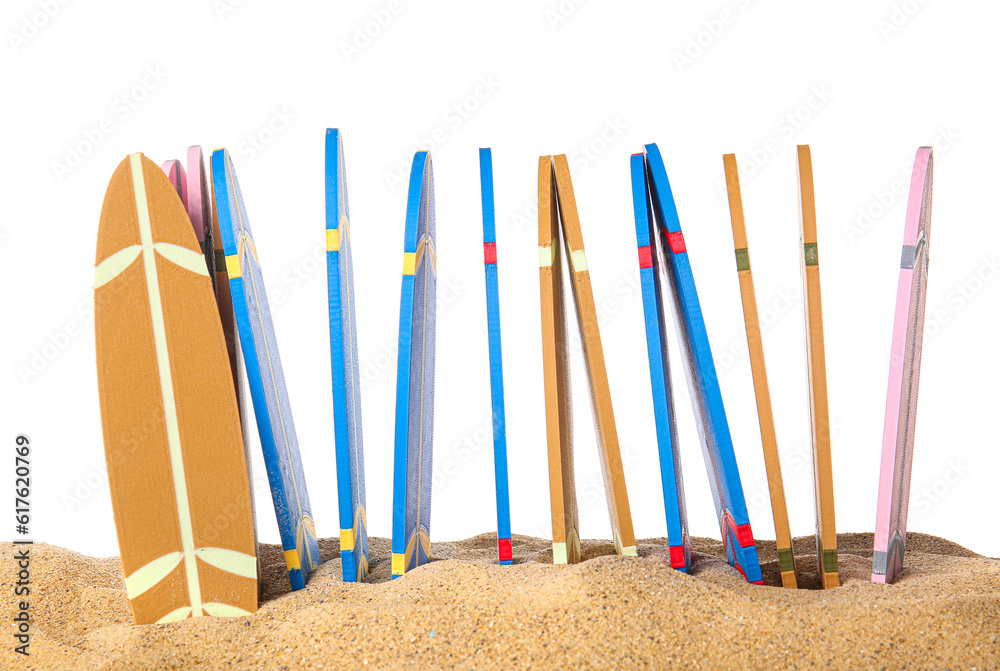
(676,242)
(677,556)
(645,257)
(490,252)
(744,536)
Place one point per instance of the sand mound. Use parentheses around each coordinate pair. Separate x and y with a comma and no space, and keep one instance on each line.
(607,612)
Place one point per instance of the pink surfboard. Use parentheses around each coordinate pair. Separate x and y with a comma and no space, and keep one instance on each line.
(175,172)
(904,375)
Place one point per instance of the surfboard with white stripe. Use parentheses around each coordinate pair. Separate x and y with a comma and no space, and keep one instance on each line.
(176,466)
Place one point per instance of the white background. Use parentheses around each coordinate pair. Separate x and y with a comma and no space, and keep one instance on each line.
(864,83)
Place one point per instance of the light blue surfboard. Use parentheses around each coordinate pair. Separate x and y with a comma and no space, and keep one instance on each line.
(650,267)
(345,369)
(414,442)
(703,383)
(265,376)
(504,550)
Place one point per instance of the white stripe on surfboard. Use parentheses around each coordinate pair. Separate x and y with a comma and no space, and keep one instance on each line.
(166,386)
(115,265)
(223,559)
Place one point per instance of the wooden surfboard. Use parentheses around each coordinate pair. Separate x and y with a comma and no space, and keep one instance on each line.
(650,268)
(904,376)
(597,374)
(176,466)
(346,376)
(826,524)
(703,382)
(772,463)
(414,443)
(504,550)
(555,367)
(559,223)
(266,377)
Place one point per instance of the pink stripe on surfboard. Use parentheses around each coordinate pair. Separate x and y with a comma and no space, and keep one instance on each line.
(909,308)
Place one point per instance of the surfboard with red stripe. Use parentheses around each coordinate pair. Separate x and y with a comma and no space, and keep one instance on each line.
(650,278)
(703,382)
(176,465)
(499,418)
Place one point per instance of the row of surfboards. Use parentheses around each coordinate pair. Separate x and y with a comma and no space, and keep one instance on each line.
(182,320)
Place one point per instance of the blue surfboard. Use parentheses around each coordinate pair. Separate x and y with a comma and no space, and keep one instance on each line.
(650,267)
(265,376)
(504,550)
(414,441)
(703,383)
(344,365)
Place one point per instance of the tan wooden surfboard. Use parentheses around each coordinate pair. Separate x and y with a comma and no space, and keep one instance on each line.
(559,233)
(555,353)
(755,347)
(597,374)
(819,410)
(176,465)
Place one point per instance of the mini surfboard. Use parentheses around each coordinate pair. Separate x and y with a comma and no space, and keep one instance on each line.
(826,524)
(174,171)
(568,222)
(650,267)
(904,376)
(414,443)
(504,550)
(555,368)
(346,377)
(772,463)
(176,466)
(703,382)
(266,377)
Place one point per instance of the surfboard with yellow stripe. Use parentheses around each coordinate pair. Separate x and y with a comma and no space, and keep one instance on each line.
(345,373)
(414,442)
(176,466)
(266,377)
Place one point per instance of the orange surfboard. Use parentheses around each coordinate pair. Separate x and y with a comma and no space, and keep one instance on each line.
(174,449)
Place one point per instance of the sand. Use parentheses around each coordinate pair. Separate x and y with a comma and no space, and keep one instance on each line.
(607,612)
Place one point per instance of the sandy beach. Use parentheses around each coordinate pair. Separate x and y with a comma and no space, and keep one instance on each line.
(464,612)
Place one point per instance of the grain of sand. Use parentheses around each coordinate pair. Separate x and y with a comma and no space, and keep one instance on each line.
(463,611)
